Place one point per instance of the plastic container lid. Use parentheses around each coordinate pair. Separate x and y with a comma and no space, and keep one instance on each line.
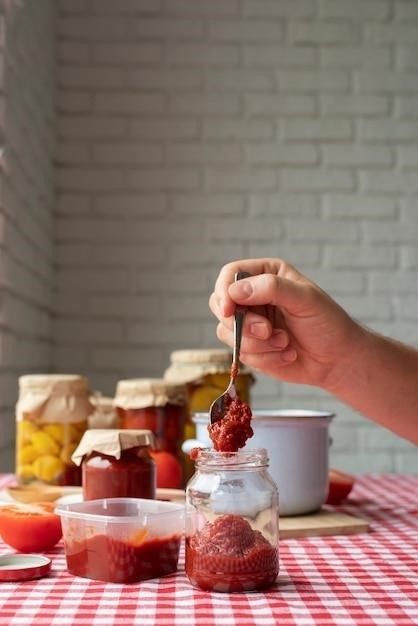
(14,567)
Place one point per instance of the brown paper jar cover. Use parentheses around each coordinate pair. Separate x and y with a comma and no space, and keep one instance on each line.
(51,417)
(112,442)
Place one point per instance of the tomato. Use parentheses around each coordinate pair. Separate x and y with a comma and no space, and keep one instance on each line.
(339,486)
(30,527)
(169,470)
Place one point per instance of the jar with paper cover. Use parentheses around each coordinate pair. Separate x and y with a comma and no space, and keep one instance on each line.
(51,417)
(160,406)
(206,374)
(104,413)
(116,464)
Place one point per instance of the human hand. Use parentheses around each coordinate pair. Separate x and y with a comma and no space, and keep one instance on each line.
(293,329)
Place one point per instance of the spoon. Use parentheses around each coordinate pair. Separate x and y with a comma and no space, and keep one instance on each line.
(218,408)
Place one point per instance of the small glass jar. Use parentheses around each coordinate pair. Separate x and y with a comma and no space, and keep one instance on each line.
(116,464)
(157,405)
(206,374)
(51,417)
(232,528)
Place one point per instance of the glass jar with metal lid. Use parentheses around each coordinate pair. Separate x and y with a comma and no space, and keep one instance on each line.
(116,464)
(231,522)
(51,417)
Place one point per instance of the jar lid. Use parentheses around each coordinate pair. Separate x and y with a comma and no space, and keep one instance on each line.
(204,355)
(139,393)
(52,383)
(104,404)
(15,567)
(111,441)
(190,365)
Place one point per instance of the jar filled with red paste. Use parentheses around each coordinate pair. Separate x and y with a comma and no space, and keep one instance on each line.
(232,528)
(159,406)
(116,464)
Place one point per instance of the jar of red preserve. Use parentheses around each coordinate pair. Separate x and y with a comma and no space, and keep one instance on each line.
(160,406)
(116,464)
(232,528)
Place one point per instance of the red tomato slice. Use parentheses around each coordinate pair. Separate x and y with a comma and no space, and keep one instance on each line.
(30,527)
(339,486)
(169,470)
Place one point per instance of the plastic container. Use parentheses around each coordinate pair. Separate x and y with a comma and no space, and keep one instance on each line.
(232,522)
(122,540)
(206,374)
(51,417)
(116,464)
(157,405)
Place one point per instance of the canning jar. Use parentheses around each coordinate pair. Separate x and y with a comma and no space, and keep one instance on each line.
(116,464)
(157,405)
(51,417)
(104,413)
(232,525)
(206,374)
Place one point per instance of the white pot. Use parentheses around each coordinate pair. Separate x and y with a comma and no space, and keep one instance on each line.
(297,442)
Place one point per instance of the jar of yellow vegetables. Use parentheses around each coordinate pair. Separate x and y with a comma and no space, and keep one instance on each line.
(206,373)
(51,417)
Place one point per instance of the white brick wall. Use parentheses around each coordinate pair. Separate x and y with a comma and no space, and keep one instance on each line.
(192,132)
(26,200)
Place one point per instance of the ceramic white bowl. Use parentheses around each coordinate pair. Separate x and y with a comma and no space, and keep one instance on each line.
(297,441)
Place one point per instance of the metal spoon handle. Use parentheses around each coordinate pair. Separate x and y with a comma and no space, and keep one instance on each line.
(238,326)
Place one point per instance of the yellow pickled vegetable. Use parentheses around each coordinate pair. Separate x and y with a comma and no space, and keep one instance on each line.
(45,444)
(217,380)
(74,433)
(47,468)
(24,472)
(26,455)
(56,431)
(25,431)
(66,453)
(202,397)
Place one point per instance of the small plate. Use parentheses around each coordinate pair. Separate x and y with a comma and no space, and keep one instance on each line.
(15,567)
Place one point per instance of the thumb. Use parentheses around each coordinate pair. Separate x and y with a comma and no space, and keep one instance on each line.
(295,296)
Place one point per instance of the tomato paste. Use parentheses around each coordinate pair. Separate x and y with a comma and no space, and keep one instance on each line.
(232,431)
(228,555)
(101,557)
(131,476)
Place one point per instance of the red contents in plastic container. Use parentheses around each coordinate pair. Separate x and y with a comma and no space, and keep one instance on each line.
(228,555)
(103,558)
(232,431)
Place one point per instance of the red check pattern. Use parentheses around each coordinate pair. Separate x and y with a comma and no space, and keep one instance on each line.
(358,580)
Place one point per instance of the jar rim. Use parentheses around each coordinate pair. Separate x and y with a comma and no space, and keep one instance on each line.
(253,457)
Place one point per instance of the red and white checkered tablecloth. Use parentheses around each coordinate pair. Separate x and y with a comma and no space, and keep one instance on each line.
(357,580)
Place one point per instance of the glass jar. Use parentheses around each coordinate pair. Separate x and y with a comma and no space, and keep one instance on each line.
(206,374)
(160,406)
(116,464)
(232,528)
(51,417)
(104,413)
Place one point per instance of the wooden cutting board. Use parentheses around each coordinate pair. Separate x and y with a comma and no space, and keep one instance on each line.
(321,524)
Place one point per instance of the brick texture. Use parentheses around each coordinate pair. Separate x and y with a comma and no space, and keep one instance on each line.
(27,200)
(189,133)
(192,133)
